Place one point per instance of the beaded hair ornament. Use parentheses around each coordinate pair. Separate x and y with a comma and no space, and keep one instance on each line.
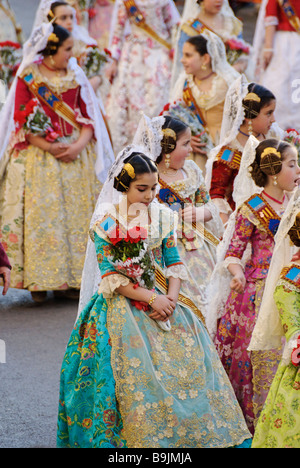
(129,169)
(168,144)
(270,161)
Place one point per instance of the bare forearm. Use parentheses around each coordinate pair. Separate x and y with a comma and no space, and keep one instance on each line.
(137,294)
(269,36)
(174,288)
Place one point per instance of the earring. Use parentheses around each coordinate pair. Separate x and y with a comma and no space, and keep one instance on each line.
(52,61)
(250,130)
(275,180)
(167,160)
(203,67)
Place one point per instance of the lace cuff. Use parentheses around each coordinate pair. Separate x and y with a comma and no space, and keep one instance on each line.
(177,271)
(222,205)
(234,260)
(110,283)
(271,21)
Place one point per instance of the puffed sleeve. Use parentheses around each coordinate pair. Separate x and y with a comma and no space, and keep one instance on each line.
(175,267)
(111,279)
(272,13)
(240,239)
(221,183)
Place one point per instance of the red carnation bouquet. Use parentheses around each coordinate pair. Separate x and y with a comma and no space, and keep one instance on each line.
(235,48)
(131,257)
(32,119)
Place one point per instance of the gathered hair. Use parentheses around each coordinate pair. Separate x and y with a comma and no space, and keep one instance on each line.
(259,175)
(200,44)
(51,14)
(252,107)
(178,126)
(294,232)
(141,164)
(55,41)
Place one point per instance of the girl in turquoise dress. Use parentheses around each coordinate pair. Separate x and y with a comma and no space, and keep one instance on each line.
(140,370)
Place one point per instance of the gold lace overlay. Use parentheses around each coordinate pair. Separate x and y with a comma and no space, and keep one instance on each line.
(45,211)
(153,385)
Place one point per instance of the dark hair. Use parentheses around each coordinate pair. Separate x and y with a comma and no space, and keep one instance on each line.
(52,46)
(178,126)
(51,14)
(294,232)
(200,44)
(141,165)
(259,175)
(252,108)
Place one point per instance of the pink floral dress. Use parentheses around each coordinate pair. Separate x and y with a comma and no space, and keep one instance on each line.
(144,68)
(250,373)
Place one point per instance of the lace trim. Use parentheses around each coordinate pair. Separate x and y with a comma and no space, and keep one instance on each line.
(222,205)
(110,283)
(177,271)
(212,97)
(271,21)
(58,85)
(234,260)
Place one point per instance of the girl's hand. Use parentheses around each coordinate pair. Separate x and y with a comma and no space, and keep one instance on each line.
(163,307)
(197,146)
(111,70)
(267,57)
(57,148)
(188,214)
(70,153)
(238,282)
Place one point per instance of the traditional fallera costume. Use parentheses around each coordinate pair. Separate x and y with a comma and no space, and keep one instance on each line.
(285,62)
(44,235)
(231,316)
(230,33)
(126,381)
(141,43)
(224,160)
(278,425)
(197,242)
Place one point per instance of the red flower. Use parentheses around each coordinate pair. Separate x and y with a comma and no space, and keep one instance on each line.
(140,305)
(136,234)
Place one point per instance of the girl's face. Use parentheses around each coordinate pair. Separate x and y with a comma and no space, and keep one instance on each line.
(142,189)
(64,53)
(64,17)
(262,123)
(213,6)
(182,150)
(192,60)
(289,176)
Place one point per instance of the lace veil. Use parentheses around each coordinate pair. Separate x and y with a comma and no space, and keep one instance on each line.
(268,331)
(78,32)
(217,52)
(218,289)
(108,199)
(191,11)
(233,117)
(32,47)
(36,42)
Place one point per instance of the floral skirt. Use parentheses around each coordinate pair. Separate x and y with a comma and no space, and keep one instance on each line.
(250,373)
(127,383)
(45,211)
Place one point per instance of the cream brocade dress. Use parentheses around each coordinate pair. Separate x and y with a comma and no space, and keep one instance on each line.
(45,208)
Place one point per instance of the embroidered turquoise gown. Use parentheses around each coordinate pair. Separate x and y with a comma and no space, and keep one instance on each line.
(125,382)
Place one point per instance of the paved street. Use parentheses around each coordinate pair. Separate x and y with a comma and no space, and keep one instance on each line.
(35,337)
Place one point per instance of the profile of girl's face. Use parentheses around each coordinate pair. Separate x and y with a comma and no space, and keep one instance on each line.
(192,60)
(64,53)
(263,122)
(212,6)
(182,150)
(289,176)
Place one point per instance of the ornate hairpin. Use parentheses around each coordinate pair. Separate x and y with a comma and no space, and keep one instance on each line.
(271,161)
(252,97)
(270,150)
(53,38)
(130,170)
